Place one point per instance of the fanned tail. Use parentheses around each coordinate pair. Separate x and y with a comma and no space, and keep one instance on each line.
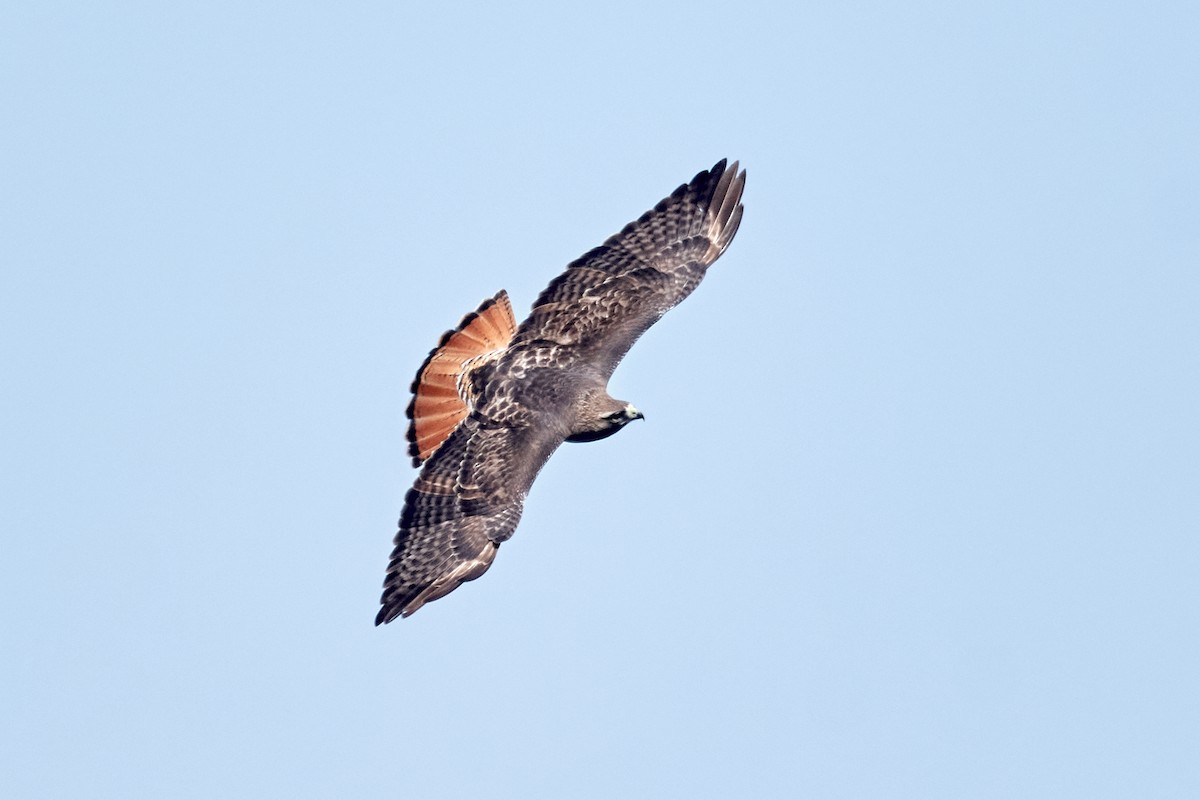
(439,403)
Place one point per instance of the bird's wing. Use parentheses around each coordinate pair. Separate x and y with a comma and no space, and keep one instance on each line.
(466,501)
(608,297)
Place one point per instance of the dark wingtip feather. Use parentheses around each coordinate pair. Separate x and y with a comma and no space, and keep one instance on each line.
(726,205)
(715,174)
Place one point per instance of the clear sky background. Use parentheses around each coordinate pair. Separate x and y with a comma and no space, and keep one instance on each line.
(915,509)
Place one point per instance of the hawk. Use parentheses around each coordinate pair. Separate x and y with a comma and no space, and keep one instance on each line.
(495,399)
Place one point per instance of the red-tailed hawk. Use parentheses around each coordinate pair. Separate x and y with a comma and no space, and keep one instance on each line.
(494,400)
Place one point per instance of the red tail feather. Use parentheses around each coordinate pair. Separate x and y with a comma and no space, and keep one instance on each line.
(438,404)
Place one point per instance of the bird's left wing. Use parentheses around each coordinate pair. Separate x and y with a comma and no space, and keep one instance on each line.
(466,501)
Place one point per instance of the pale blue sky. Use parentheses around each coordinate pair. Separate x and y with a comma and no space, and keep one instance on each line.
(914,513)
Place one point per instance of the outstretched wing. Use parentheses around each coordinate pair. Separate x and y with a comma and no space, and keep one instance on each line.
(608,297)
(466,501)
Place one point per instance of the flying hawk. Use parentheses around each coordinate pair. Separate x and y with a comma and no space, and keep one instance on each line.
(494,400)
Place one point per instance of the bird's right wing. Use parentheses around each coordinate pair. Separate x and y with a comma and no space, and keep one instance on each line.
(466,501)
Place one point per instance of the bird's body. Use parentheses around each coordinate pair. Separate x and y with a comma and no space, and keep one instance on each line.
(494,401)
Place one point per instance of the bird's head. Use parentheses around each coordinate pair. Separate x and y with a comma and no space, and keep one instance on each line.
(604,421)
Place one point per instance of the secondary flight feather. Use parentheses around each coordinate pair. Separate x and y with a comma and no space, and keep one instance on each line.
(494,399)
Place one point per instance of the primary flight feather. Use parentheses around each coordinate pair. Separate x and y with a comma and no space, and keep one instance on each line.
(494,400)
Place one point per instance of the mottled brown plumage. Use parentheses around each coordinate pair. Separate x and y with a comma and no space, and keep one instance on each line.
(491,405)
